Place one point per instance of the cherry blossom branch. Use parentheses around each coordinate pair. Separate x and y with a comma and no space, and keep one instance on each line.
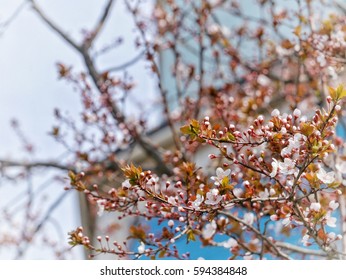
(155,68)
(96,77)
(311,231)
(271,244)
(233,142)
(22,249)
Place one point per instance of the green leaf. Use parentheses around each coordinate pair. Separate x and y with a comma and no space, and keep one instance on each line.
(307,129)
(190,236)
(332,93)
(230,136)
(338,93)
(185,129)
(162,254)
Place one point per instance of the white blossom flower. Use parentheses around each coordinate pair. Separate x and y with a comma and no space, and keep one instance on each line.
(126,184)
(333,205)
(341,166)
(315,206)
(287,220)
(230,243)
(298,140)
(263,80)
(213,197)
(275,166)
(238,192)
(220,175)
(287,167)
(209,230)
(153,184)
(198,201)
(294,143)
(305,240)
(332,73)
(331,221)
(326,177)
(321,59)
(286,151)
(171,200)
(264,194)
(248,256)
(274,217)
(249,218)
(141,248)
(283,130)
(101,206)
(297,113)
(213,29)
(275,113)
(331,236)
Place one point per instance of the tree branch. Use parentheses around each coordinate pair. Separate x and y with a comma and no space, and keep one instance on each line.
(258,233)
(96,77)
(300,250)
(49,212)
(126,64)
(30,165)
(6,23)
(52,25)
(99,25)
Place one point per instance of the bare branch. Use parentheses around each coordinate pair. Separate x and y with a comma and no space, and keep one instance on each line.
(49,212)
(30,165)
(99,25)
(258,233)
(126,64)
(54,26)
(300,250)
(16,13)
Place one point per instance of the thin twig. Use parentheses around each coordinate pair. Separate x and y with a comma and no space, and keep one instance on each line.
(54,26)
(99,25)
(126,64)
(271,244)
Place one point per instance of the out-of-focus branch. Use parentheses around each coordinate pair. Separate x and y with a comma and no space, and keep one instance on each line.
(126,64)
(148,147)
(343,221)
(341,6)
(151,58)
(31,165)
(271,244)
(49,212)
(6,23)
(99,25)
(300,250)
(54,26)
